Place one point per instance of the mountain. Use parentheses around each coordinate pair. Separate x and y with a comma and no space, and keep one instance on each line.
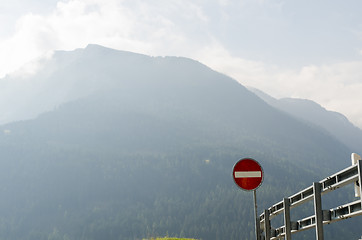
(334,123)
(137,146)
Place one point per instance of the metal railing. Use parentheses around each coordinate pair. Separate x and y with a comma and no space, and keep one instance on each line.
(352,174)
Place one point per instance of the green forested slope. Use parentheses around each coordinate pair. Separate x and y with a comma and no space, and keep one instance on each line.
(149,153)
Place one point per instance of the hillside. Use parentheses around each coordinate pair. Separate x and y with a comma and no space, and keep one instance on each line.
(144,146)
(334,123)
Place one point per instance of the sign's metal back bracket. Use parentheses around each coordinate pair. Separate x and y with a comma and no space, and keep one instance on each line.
(352,174)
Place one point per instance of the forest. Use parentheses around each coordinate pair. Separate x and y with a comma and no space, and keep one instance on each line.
(151,153)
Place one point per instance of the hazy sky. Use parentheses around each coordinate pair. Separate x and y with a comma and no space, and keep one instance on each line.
(307,49)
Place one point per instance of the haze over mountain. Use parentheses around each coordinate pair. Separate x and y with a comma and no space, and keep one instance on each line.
(333,122)
(136,146)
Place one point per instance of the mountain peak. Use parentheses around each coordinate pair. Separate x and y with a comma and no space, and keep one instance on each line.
(99,49)
(134,133)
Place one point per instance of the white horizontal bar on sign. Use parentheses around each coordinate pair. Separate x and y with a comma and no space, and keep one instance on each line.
(248,174)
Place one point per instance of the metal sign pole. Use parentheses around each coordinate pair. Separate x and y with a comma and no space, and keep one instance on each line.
(248,175)
(257,222)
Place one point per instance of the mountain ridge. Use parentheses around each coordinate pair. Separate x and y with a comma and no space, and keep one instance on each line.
(210,85)
(148,151)
(334,123)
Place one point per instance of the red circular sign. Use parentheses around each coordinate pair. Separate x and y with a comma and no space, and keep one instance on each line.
(248,174)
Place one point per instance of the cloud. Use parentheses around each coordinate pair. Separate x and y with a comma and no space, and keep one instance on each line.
(337,87)
(136,25)
(33,37)
(184,28)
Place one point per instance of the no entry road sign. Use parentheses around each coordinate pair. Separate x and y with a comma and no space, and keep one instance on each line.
(248,174)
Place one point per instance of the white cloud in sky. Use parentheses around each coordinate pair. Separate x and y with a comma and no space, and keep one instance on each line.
(142,27)
(216,33)
(337,87)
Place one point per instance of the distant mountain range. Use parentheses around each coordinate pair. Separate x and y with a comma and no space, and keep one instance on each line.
(120,145)
(334,123)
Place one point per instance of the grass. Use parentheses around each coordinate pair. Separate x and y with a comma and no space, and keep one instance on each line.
(168,238)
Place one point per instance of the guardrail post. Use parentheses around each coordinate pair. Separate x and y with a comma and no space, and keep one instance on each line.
(318,210)
(359,165)
(287,224)
(267,227)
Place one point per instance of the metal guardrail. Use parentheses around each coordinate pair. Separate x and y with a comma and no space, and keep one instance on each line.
(352,174)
